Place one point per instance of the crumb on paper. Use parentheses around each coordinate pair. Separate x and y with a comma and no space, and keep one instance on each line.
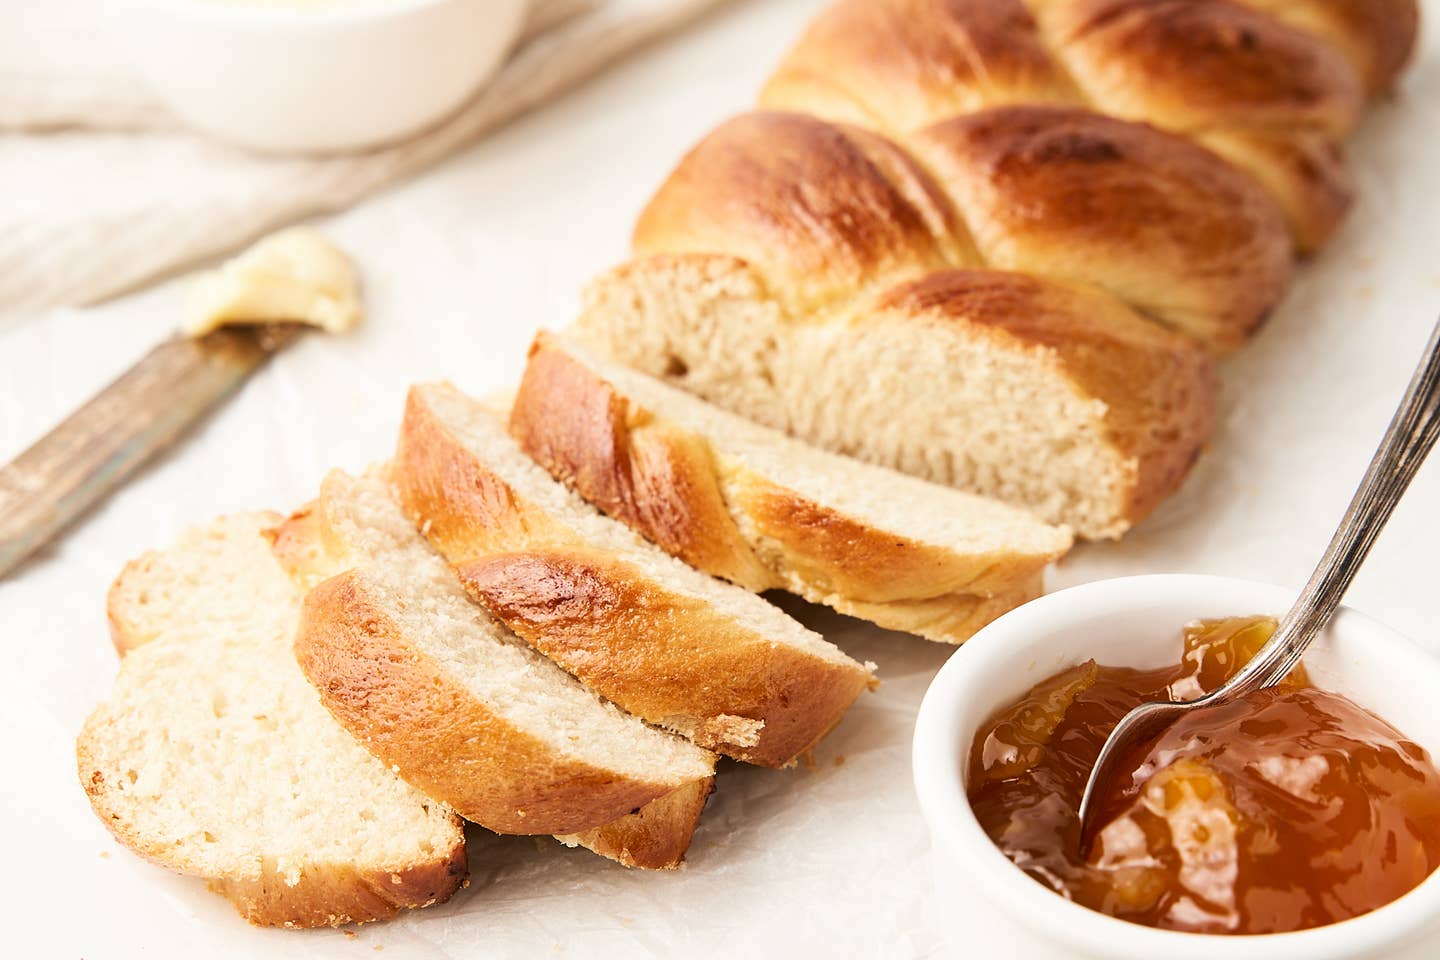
(350,934)
(295,275)
(839,759)
(104,854)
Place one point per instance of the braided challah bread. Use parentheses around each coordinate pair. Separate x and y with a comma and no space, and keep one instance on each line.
(1001,243)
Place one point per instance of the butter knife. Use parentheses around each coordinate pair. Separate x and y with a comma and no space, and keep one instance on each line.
(99,446)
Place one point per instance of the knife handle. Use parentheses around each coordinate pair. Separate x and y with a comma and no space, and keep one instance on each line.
(99,446)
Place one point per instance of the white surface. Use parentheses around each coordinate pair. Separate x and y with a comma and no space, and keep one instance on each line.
(1136,621)
(295,80)
(460,267)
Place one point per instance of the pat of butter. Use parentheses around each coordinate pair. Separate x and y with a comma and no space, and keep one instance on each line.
(295,275)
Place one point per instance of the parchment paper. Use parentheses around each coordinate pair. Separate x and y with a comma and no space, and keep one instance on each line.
(461,266)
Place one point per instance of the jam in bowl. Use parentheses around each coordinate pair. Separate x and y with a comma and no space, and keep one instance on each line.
(1290,808)
(1194,864)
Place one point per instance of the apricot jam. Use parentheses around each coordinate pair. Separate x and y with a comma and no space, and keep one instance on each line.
(1289,809)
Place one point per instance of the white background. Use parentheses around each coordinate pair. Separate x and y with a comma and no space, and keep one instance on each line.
(460,267)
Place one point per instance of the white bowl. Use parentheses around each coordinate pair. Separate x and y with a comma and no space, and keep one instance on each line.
(317,78)
(990,908)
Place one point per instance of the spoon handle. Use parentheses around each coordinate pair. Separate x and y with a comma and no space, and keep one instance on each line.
(1412,433)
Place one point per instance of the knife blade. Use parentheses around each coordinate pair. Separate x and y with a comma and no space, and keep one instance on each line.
(147,409)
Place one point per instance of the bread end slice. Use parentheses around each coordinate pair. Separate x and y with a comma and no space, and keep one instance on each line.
(1053,397)
(214,758)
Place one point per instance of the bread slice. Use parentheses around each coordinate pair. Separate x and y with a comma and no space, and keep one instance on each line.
(1049,396)
(463,709)
(654,837)
(214,757)
(669,644)
(747,503)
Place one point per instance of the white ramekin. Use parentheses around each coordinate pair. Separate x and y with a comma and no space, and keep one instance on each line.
(319,79)
(990,908)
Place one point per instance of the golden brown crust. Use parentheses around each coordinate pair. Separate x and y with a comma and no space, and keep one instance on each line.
(1190,65)
(334,896)
(831,554)
(411,713)
(1289,75)
(671,659)
(650,649)
(658,480)
(655,837)
(750,190)
(898,65)
(670,486)
(1272,99)
(1304,173)
(1377,36)
(823,213)
(1164,225)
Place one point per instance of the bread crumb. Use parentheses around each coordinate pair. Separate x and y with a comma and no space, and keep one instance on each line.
(350,934)
(104,854)
(839,759)
(378,947)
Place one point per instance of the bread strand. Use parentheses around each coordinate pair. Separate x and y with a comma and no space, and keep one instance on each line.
(1271,85)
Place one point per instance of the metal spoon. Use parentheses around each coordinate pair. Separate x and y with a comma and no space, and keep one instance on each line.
(1411,434)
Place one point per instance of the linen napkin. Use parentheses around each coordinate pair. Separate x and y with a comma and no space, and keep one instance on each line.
(104,189)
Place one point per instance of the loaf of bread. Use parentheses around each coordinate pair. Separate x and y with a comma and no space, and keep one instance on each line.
(746,503)
(459,706)
(671,645)
(954,249)
(215,758)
